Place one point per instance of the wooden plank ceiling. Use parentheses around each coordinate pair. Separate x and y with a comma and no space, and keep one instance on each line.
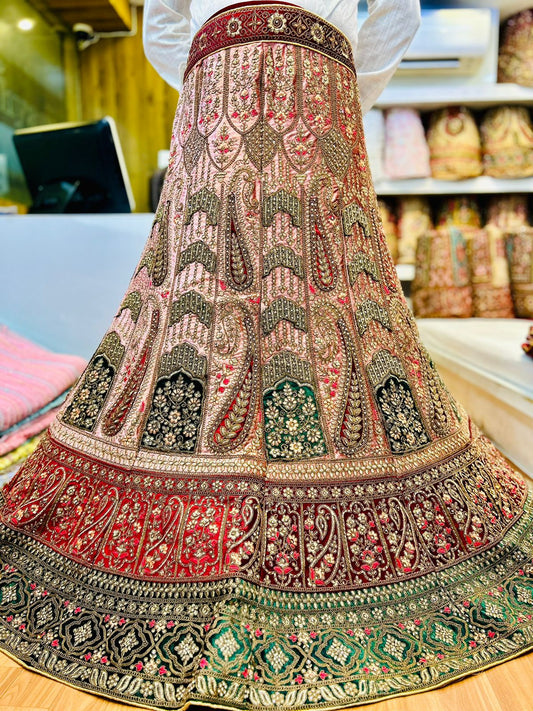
(102,15)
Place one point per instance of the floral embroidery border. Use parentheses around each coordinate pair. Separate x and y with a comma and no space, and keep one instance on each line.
(276,23)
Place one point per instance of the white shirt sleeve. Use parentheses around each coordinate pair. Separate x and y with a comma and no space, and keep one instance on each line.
(167,38)
(382,41)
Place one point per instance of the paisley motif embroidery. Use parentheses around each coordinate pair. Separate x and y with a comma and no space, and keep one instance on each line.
(322,261)
(233,427)
(239,272)
(351,430)
(292,513)
(114,420)
(159,266)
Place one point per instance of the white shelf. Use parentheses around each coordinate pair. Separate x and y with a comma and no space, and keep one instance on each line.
(406,272)
(429,186)
(479,96)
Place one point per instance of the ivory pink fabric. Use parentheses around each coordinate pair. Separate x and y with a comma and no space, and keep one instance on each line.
(31,376)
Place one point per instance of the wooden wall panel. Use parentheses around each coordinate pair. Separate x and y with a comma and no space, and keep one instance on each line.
(117,80)
(103,15)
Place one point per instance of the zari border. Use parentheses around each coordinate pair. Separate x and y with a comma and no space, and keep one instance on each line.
(270,23)
(365,467)
(476,587)
(194,703)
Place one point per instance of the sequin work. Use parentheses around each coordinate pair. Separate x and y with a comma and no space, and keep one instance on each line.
(260,494)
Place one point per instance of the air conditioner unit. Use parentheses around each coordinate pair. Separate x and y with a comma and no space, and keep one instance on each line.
(453,42)
(453,45)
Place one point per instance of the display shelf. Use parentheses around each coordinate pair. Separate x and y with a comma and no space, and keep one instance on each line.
(479,96)
(430,186)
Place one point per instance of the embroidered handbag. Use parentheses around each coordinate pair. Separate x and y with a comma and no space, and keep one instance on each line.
(520,255)
(441,287)
(515,63)
(454,144)
(507,139)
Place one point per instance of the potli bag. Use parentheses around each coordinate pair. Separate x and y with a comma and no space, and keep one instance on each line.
(507,139)
(515,62)
(414,220)
(454,144)
(491,291)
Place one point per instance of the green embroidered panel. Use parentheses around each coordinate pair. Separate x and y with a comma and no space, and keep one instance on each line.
(292,425)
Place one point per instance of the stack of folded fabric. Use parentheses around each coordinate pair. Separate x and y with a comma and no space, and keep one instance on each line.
(33,384)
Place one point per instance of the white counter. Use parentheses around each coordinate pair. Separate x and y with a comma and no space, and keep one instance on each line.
(483,365)
(62,277)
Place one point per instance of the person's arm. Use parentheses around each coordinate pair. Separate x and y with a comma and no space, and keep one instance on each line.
(167,38)
(381,43)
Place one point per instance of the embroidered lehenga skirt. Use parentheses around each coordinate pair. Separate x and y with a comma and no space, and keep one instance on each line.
(260,494)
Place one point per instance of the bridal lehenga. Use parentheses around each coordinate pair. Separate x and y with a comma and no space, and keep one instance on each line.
(260,494)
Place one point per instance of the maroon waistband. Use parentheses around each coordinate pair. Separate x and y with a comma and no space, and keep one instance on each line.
(269,22)
(236,5)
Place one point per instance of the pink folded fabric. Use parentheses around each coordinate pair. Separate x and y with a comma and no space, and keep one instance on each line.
(31,377)
(406,150)
(25,432)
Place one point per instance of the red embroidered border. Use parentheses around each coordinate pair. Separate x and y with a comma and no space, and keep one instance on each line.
(270,23)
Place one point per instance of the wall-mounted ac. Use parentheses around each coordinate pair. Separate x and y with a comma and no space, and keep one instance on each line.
(453,46)
(458,41)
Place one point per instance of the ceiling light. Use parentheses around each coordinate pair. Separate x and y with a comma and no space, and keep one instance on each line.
(26,24)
